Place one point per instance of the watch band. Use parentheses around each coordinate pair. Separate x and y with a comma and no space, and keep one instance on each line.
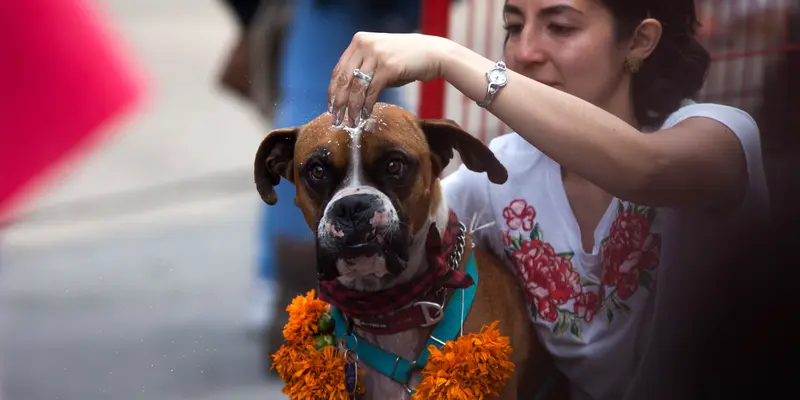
(491,90)
(493,87)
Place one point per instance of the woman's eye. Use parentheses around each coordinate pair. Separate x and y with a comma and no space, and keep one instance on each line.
(317,171)
(560,29)
(513,28)
(395,167)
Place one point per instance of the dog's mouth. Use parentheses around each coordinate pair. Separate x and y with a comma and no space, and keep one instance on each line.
(369,245)
(376,254)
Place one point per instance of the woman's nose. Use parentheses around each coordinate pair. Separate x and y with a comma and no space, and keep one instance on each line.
(529,49)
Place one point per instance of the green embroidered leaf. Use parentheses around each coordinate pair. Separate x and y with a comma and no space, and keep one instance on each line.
(620,207)
(561,325)
(516,242)
(567,254)
(536,233)
(618,305)
(609,315)
(586,282)
(646,280)
(575,329)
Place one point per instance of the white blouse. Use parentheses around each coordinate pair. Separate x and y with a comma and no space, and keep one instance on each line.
(592,310)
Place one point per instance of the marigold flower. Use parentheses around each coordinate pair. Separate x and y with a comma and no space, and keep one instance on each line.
(474,366)
(304,314)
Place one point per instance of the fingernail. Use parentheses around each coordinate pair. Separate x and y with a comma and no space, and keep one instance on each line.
(339,117)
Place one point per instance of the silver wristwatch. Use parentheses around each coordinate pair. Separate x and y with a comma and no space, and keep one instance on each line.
(497,77)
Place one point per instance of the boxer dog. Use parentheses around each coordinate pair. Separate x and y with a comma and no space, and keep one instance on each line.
(372,196)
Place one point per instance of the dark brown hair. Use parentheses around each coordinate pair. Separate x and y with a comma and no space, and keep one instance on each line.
(677,68)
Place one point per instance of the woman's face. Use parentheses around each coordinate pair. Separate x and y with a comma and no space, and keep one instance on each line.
(567,44)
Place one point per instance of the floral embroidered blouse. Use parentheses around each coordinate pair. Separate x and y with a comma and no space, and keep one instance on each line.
(592,310)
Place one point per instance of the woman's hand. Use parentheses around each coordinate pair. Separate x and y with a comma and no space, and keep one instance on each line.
(391,60)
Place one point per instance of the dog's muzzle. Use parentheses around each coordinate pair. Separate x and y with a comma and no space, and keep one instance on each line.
(361,224)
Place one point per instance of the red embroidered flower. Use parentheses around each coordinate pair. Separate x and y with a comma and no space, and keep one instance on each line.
(548,277)
(518,215)
(630,248)
(587,306)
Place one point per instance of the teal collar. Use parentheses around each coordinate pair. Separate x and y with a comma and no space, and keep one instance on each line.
(447,329)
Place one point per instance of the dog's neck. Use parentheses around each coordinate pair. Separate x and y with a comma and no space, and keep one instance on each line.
(407,344)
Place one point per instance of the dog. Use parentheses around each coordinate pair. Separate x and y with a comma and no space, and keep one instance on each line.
(372,197)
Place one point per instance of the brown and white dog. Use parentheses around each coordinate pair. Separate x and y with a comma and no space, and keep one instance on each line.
(374,201)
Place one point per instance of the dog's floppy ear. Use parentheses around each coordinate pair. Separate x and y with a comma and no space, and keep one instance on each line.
(444,135)
(273,161)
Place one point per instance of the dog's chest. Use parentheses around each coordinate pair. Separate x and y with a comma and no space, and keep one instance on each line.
(407,345)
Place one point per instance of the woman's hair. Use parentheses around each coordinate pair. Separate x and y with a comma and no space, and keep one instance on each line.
(677,67)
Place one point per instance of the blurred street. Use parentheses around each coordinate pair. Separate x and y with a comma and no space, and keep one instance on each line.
(129,277)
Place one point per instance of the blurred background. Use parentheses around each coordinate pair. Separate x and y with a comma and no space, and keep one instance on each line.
(127,275)
(135,271)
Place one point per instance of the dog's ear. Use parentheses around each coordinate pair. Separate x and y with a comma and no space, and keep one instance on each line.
(273,161)
(444,135)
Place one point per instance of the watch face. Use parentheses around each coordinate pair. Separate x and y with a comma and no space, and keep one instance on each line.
(497,76)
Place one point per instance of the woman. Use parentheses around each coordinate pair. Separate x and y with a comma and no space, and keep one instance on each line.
(620,189)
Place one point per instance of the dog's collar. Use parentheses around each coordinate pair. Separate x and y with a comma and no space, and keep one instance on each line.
(448,328)
(418,303)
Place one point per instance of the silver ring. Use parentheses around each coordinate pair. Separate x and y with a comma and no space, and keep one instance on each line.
(363,76)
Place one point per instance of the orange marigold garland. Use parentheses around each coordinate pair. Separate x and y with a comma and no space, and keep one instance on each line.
(474,366)
(304,317)
(309,363)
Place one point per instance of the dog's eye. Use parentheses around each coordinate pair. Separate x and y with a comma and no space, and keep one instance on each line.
(317,171)
(395,167)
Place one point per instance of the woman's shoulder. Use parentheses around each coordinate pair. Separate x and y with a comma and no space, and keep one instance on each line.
(742,124)
(736,119)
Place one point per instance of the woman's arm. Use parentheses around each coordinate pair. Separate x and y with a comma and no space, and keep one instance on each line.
(698,162)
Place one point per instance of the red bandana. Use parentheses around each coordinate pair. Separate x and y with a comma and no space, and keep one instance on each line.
(370,308)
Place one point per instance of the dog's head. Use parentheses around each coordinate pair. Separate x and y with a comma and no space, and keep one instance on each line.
(368,196)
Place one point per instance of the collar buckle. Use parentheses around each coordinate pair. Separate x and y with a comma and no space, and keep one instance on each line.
(431,312)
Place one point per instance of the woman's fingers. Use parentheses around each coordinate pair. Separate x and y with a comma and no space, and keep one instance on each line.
(340,78)
(380,81)
(363,79)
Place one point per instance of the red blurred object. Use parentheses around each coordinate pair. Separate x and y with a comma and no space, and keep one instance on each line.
(435,21)
(62,78)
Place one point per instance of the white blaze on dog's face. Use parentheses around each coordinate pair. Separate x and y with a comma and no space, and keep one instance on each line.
(356,223)
(369,195)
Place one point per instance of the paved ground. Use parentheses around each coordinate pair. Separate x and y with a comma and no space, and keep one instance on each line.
(148,315)
(142,294)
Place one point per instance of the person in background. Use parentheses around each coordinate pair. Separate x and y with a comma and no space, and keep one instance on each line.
(235,75)
(318,32)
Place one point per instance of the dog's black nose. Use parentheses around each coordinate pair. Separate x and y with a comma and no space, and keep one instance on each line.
(356,208)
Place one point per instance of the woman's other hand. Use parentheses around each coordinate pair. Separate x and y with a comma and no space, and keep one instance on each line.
(391,59)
